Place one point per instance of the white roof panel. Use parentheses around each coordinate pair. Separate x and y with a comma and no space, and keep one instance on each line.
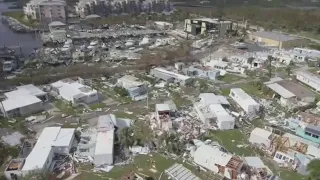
(281,90)
(19,101)
(173,74)
(211,98)
(243,95)
(104,142)
(162,107)
(207,156)
(49,137)
(261,132)
(64,137)
(32,89)
(40,152)
(254,162)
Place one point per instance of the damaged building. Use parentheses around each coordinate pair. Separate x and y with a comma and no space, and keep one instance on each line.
(287,150)
(290,93)
(52,141)
(97,144)
(217,161)
(164,115)
(245,101)
(207,25)
(137,90)
(211,112)
(170,77)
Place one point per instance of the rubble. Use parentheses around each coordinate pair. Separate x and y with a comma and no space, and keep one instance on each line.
(13,139)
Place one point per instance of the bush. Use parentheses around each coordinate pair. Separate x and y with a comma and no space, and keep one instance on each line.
(121,91)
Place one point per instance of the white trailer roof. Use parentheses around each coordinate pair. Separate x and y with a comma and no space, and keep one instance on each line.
(104,142)
(19,101)
(244,96)
(47,139)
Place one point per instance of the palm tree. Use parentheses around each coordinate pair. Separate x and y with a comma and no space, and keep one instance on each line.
(269,66)
(288,70)
(314,169)
(126,137)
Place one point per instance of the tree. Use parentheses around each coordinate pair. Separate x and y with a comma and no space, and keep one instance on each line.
(225,59)
(314,169)
(250,60)
(288,70)
(126,137)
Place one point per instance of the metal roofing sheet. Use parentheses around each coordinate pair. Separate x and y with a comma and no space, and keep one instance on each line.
(281,90)
(179,172)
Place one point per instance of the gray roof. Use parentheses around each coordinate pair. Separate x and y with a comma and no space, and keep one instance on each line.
(275,36)
(255,162)
(313,129)
(296,89)
(179,172)
(281,90)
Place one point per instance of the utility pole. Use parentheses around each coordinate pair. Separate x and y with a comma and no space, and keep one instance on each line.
(147,98)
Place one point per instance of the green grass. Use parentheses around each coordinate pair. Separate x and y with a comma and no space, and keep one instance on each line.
(179,100)
(97,106)
(225,92)
(252,90)
(142,164)
(230,139)
(65,107)
(109,92)
(19,16)
(230,78)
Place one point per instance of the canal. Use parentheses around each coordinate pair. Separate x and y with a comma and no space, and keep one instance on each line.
(11,39)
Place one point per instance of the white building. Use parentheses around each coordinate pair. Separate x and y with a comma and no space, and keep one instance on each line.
(24,100)
(224,120)
(261,137)
(103,154)
(309,79)
(53,140)
(249,105)
(137,90)
(170,77)
(211,112)
(46,10)
(74,92)
(217,161)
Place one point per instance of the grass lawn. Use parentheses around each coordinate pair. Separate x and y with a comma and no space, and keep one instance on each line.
(179,100)
(97,106)
(109,92)
(231,139)
(252,90)
(229,78)
(65,107)
(225,92)
(19,16)
(142,164)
